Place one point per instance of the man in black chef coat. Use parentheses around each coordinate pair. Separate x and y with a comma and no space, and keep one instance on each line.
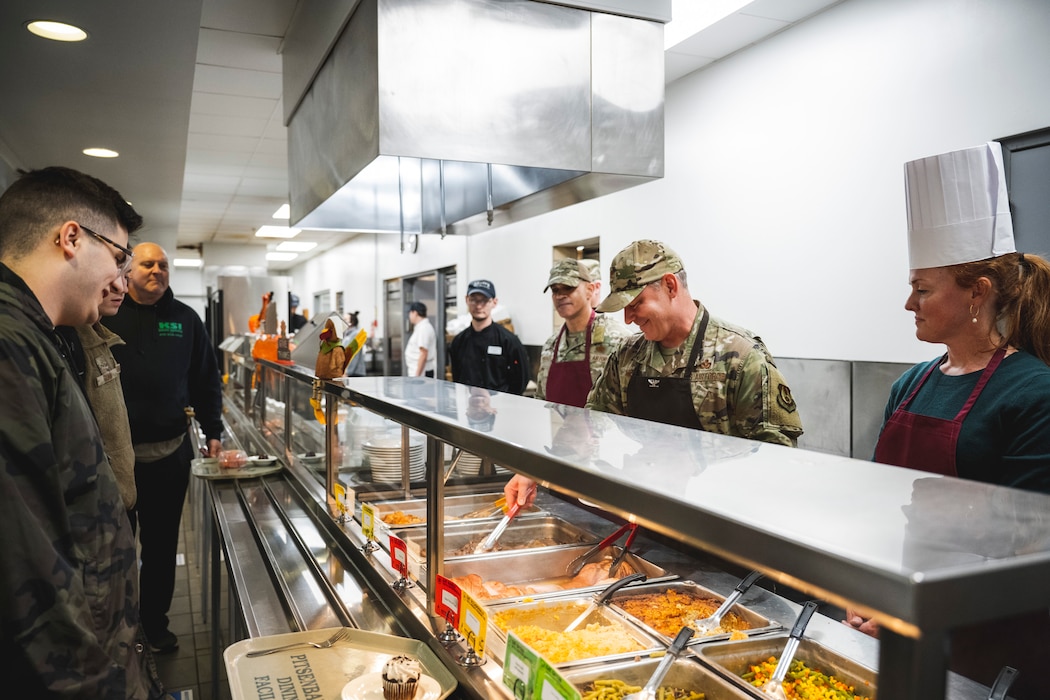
(486,354)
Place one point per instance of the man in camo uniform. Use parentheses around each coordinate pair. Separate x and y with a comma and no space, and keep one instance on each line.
(727,384)
(584,341)
(69,608)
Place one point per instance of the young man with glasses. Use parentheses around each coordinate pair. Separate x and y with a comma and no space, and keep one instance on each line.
(68,571)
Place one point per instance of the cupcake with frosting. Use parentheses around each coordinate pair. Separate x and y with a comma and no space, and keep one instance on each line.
(400,677)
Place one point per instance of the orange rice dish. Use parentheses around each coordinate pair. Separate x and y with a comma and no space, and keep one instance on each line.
(671,610)
(400,517)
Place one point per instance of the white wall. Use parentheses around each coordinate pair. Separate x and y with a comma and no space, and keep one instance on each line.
(783,189)
(358,268)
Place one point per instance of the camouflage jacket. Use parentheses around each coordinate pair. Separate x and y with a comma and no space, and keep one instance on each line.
(737,389)
(68,574)
(606,335)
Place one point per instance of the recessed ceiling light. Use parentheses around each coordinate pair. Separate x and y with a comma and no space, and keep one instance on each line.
(187,262)
(56,31)
(281,257)
(100,153)
(284,212)
(296,246)
(276,232)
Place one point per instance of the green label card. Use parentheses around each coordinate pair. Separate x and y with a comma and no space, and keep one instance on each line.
(550,685)
(518,667)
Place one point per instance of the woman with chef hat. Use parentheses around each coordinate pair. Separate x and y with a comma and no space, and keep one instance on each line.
(981,410)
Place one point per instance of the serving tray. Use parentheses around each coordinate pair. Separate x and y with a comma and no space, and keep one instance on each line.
(208,468)
(321,673)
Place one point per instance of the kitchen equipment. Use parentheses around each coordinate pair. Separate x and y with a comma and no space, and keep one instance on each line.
(1007,676)
(774,687)
(712,624)
(523,533)
(615,566)
(487,511)
(339,635)
(489,542)
(577,564)
(602,598)
(648,692)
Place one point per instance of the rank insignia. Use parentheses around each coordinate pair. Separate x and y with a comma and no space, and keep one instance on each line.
(705,363)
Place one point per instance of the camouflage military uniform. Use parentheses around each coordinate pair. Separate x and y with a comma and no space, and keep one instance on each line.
(737,389)
(69,598)
(606,334)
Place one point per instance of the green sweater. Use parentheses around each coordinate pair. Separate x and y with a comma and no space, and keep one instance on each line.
(1005,439)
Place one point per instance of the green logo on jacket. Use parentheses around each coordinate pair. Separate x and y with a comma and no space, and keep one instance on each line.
(169,329)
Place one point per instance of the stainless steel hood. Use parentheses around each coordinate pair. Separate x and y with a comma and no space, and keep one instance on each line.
(459,115)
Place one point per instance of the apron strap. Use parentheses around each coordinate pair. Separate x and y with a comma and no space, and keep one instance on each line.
(587,341)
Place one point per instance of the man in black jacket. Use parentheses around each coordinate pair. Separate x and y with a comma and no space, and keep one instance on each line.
(486,354)
(167,365)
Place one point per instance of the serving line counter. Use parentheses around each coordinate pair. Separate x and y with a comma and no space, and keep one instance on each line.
(920,552)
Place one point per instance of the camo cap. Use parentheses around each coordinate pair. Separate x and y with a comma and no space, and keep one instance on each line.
(636,266)
(571,272)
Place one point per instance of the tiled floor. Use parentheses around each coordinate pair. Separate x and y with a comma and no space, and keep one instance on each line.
(187,672)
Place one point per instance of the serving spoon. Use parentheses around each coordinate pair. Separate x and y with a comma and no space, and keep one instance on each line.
(713,624)
(774,687)
(648,691)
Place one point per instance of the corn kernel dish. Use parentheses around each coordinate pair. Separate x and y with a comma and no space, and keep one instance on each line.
(802,682)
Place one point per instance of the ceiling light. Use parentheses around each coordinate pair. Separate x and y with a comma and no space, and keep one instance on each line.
(187,262)
(281,257)
(57,31)
(276,232)
(296,246)
(284,212)
(100,153)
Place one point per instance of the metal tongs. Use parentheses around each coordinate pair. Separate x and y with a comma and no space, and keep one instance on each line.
(489,542)
(713,624)
(602,598)
(577,564)
(774,687)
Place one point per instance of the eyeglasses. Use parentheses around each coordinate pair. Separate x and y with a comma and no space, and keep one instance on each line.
(123,264)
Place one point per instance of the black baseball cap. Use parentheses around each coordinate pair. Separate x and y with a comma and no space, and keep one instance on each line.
(482,287)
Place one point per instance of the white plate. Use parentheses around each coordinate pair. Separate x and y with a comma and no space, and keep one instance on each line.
(370,687)
(262,461)
(311,459)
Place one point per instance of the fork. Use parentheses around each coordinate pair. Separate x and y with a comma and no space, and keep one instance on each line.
(339,635)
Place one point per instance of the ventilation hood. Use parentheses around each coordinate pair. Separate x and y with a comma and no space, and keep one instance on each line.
(455,116)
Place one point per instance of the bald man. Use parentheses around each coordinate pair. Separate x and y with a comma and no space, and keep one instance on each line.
(167,364)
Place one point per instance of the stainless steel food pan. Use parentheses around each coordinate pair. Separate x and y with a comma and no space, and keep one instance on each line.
(733,659)
(758,624)
(527,533)
(685,673)
(455,507)
(555,614)
(542,572)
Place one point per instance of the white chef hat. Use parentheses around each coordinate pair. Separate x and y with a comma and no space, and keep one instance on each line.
(958,209)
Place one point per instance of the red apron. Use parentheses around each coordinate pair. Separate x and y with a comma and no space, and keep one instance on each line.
(923,442)
(570,382)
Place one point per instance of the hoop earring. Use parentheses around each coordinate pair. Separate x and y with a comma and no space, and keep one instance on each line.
(975,315)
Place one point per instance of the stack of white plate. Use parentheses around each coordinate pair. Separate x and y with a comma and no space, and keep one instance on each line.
(383,453)
(470,464)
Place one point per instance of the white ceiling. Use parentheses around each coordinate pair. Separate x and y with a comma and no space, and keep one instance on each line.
(189,93)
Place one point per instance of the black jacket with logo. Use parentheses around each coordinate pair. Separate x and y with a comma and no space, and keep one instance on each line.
(166,365)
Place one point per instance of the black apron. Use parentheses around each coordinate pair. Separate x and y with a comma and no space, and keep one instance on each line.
(667,399)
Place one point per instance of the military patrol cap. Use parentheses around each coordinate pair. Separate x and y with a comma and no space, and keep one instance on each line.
(570,273)
(637,265)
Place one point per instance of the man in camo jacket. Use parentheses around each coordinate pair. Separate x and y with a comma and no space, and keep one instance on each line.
(584,341)
(727,384)
(69,610)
